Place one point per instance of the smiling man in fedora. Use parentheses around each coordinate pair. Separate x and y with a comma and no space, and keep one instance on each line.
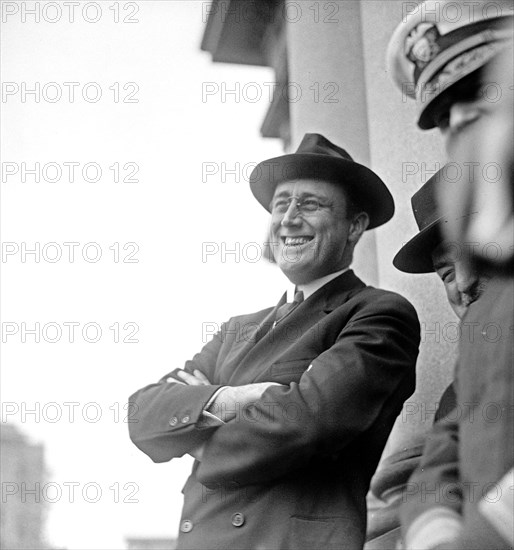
(287,410)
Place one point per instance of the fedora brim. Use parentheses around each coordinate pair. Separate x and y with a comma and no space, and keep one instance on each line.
(415,256)
(362,184)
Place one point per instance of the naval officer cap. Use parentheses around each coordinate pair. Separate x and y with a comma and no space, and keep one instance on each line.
(441,42)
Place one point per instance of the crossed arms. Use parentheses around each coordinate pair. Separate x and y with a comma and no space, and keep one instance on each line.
(224,404)
(360,380)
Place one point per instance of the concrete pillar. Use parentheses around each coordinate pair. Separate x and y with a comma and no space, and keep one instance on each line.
(326,72)
(397,146)
(397,149)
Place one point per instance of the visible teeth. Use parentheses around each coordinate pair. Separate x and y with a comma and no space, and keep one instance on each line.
(295,241)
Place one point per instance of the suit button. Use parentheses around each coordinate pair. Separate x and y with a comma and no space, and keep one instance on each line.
(238,519)
(185,420)
(186,526)
(173,421)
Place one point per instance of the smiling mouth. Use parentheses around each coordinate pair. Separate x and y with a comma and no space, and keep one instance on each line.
(296,241)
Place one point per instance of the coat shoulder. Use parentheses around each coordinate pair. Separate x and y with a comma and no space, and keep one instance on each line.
(387,301)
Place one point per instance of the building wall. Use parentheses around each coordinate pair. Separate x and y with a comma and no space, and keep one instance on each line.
(397,147)
(22,513)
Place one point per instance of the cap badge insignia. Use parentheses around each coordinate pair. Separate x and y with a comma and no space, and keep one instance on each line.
(421,45)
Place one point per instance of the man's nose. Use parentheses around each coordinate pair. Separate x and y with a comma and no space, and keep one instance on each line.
(462,114)
(292,215)
(465,277)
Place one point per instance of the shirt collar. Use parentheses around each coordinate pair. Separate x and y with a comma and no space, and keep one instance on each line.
(313,286)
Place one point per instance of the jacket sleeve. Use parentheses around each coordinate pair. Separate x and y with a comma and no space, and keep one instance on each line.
(339,397)
(430,513)
(164,424)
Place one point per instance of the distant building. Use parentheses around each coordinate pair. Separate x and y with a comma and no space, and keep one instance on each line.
(143,543)
(22,474)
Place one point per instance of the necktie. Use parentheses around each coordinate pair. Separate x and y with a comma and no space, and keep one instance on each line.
(284,310)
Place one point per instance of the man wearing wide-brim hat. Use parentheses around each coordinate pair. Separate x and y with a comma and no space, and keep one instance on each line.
(287,410)
(461,495)
(430,251)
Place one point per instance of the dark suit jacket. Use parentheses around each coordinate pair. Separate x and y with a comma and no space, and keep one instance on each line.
(470,450)
(293,469)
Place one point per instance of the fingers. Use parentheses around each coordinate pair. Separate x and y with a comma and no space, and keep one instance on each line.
(201,376)
(196,379)
(172,380)
(189,379)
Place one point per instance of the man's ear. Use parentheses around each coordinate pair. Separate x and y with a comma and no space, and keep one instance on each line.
(269,246)
(358,225)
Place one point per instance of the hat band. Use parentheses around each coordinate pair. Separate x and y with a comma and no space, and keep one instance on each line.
(431,45)
(464,65)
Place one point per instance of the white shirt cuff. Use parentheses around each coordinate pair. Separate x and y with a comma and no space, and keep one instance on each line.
(209,419)
(436,526)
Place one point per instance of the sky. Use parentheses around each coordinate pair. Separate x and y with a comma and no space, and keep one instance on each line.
(124,171)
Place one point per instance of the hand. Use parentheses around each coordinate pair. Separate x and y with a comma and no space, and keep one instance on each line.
(245,395)
(196,379)
(231,399)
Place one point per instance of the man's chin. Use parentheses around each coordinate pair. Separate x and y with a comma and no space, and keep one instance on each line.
(296,273)
(463,308)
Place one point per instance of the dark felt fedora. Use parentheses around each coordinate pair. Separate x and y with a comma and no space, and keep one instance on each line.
(318,159)
(416,255)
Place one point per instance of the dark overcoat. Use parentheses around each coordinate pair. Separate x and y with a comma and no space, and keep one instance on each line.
(468,452)
(292,470)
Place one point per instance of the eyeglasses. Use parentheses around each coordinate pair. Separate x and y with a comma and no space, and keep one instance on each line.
(304,207)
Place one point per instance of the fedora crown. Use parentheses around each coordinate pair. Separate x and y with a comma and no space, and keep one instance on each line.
(317,144)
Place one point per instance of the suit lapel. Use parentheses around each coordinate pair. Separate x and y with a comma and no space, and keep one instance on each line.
(270,342)
(249,332)
(268,322)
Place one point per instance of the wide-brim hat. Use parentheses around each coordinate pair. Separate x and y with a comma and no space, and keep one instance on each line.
(441,42)
(415,256)
(320,160)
